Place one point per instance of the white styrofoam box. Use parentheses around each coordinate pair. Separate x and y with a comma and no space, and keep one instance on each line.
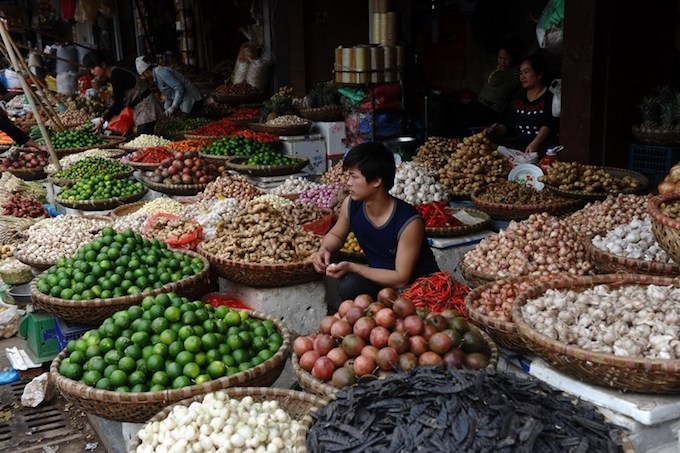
(313,147)
(335,135)
(647,409)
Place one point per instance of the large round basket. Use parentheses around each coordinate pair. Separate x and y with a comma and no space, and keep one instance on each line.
(609,263)
(205,138)
(97,310)
(144,166)
(140,407)
(315,386)
(64,182)
(621,373)
(326,114)
(504,211)
(298,405)
(130,208)
(504,333)
(666,229)
(174,189)
(101,205)
(111,142)
(262,275)
(267,170)
(214,158)
(473,277)
(28,174)
(656,137)
(447,232)
(616,172)
(293,129)
(459,196)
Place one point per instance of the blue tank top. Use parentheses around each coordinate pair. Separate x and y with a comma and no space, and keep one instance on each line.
(379,243)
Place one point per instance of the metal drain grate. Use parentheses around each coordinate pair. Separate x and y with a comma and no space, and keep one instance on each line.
(31,429)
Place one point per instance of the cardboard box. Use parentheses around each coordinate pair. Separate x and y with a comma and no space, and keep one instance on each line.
(313,147)
(335,135)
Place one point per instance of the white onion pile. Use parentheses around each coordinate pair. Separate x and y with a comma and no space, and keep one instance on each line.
(146,141)
(416,184)
(294,185)
(162,204)
(276,201)
(539,245)
(209,213)
(220,423)
(601,216)
(134,222)
(322,196)
(633,240)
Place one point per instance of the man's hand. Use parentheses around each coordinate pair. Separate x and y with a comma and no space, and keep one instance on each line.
(337,270)
(321,260)
(170,111)
(97,124)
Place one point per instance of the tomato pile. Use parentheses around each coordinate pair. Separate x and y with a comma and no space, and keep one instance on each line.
(24,159)
(366,337)
(101,188)
(116,265)
(169,342)
(186,168)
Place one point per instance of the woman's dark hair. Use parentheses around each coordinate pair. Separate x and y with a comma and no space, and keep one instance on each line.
(374,160)
(513,46)
(539,65)
(94,58)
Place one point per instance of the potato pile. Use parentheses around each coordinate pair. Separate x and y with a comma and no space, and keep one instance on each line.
(262,234)
(334,175)
(585,178)
(475,164)
(230,186)
(436,151)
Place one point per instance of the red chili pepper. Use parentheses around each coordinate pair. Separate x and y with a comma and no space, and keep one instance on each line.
(438,292)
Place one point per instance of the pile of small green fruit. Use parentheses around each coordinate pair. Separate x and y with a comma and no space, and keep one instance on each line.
(93,166)
(116,265)
(101,188)
(169,342)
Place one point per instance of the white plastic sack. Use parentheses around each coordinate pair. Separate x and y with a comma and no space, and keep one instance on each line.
(556,90)
(13,80)
(240,71)
(67,83)
(258,74)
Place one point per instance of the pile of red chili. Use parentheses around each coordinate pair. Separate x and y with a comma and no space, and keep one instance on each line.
(262,137)
(437,215)
(244,114)
(221,127)
(187,145)
(438,292)
(151,155)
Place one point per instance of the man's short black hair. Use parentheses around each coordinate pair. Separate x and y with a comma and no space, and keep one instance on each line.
(93,58)
(374,160)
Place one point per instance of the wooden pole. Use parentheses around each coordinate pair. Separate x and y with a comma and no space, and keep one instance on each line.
(6,39)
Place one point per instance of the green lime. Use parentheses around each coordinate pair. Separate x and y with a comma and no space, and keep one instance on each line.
(235,342)
(216,369)
(156,311)
(158,325)
(181,381)
(240,356)
(96,364)
(228,360)
(190,318)
(155,363)
(157,388)
(134,351)
(110,369)
(148,302)
(137,377)
(224,349)
(172,314)
(122,342)
(168,336)
(192,344)
(113,357)
(127,364)
(175,348)
(212,355)
(160,349)
(163,300)
(141,339)
(92,351)
(139,388)
(191,370)
(265,354)
(232,318)
(185,332)
(118,378)
(202,379)
(104,384)
(244,366)
(77,357)
(173,369)
(184,357)
(147,351)
(160,378)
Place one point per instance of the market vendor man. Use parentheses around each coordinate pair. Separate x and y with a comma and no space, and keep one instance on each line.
(389,230)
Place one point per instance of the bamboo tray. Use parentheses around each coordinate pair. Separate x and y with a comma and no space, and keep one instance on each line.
(27,174)
(101,205)
(294,129)
(327,113)
(635,374)
(505,211)
(110,141)
(666,229)
(447,232)
(139,407)
(616,172)
(174,189)
(609,263)
(266,170)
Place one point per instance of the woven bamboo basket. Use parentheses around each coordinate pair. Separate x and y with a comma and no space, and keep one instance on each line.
(144,166)
(473,277)
(267,170)
(447,232)
(140,407)
(262,275)
(110,142)
(621,373)
(174,189)
(28,174)
(294,129)
(130,208)
(616,172)
(609,263)
(666,229)
(214,158)
(504,333)
(327,113)
(654,137)
(97,310)
(298,405)
(101,205)
(205,138)
(504,211)
(459,196)
(317,387)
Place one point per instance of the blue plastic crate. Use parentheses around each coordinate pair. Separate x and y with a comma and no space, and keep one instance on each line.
(653,161)
(66,331)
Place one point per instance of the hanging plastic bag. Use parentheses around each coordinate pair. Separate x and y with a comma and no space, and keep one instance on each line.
(122,123)
(550,26)
(556,90)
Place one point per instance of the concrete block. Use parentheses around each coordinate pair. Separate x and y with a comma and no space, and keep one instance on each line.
(299,307)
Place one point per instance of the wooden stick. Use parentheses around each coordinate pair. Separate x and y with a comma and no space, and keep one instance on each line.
(28,92)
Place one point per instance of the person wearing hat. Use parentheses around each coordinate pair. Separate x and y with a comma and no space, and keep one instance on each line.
(179,93)
(129,90)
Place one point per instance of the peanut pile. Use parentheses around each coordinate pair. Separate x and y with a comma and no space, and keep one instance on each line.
(230,186)
(435,152)
(583,178)
(475,164)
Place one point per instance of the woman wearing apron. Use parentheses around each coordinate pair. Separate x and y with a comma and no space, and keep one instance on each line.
(129,90)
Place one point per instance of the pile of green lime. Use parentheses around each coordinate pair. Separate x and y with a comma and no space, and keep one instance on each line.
(74,138)
(169,342)
(236,146)
(270,158)
(94,166)
(187,124)
(101,188)
(116,265)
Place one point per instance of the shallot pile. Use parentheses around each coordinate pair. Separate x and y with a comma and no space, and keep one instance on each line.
(601,216)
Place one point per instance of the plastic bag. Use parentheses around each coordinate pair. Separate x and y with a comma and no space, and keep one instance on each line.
(9,320)
(550,25)
(188,241)
(556,90)
(123,122)
(258,74)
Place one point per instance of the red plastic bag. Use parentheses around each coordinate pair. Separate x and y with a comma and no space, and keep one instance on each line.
(217,299)
(188,241)
(123,122)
